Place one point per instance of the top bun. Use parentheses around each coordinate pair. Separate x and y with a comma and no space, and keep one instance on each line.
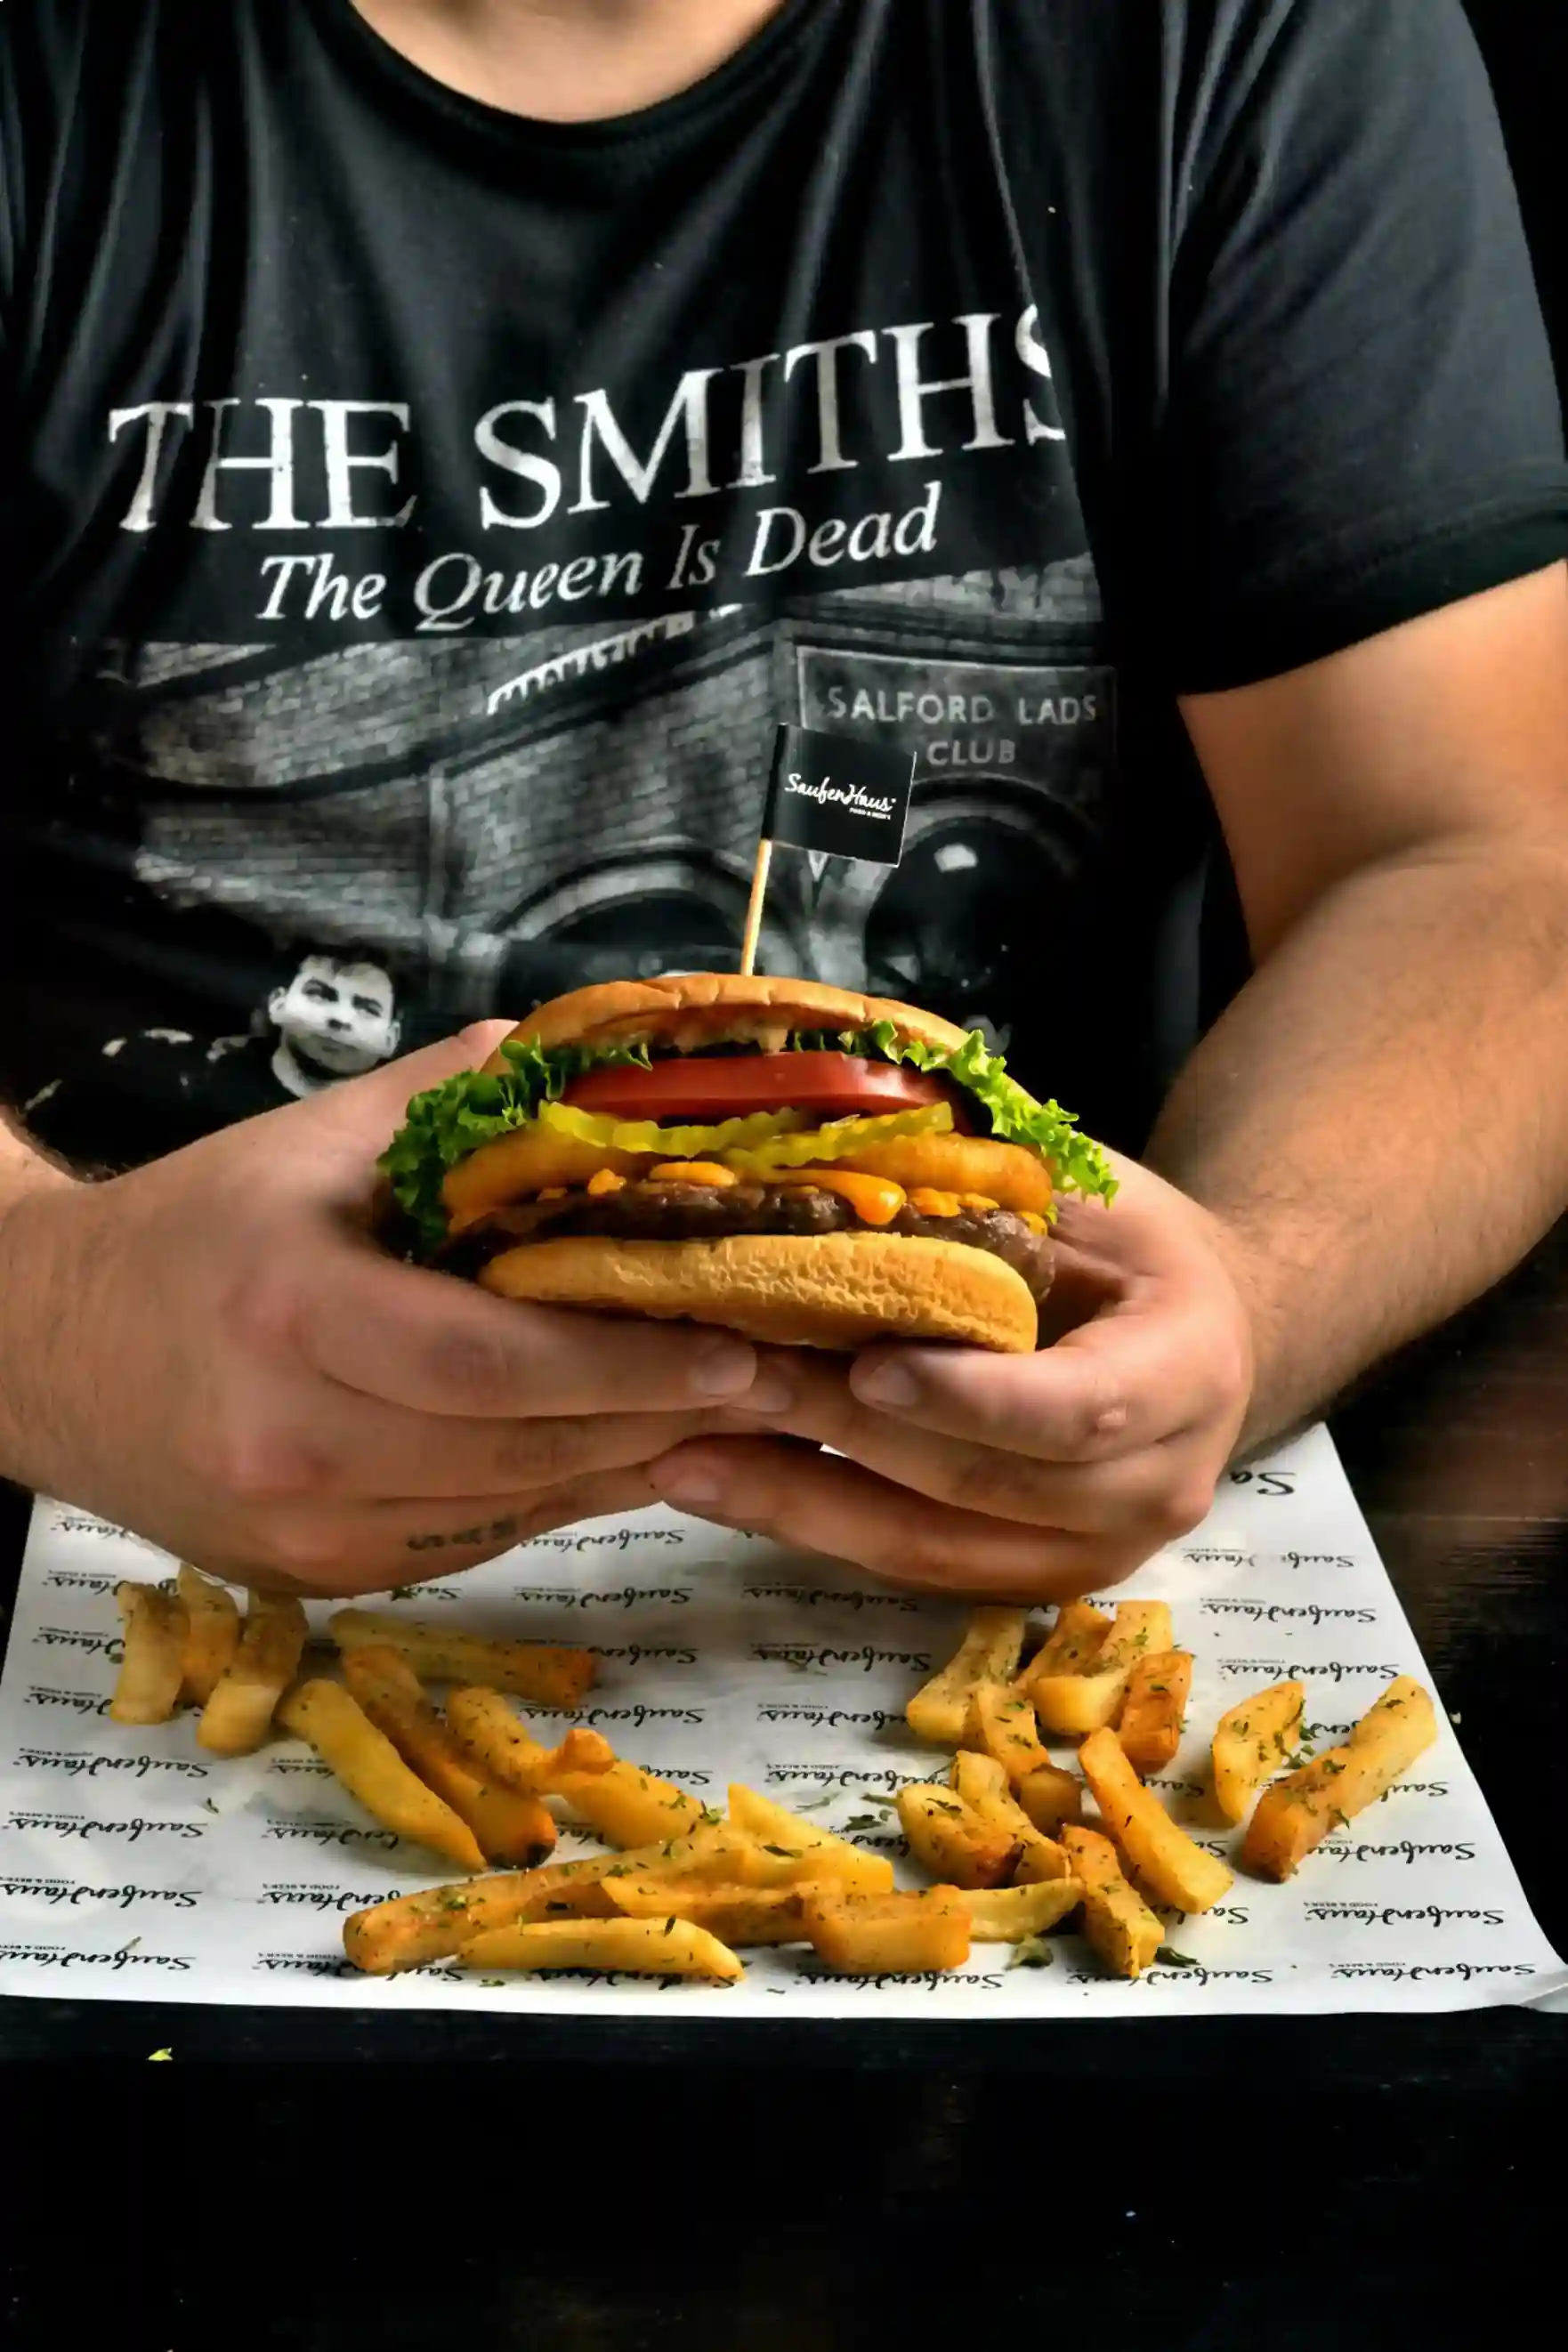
(631,1010)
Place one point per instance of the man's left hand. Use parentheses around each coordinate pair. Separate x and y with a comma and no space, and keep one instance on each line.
(1025,1478)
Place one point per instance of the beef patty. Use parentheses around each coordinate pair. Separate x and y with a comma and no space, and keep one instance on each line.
(693,1213)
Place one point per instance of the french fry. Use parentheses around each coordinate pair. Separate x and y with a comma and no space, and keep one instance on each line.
(1296,1814)
(483,1720)
(507,1825)
(411,1930)
(740,1916)
(1074,1704)
(624,1804)
(648,1948)
(147,1687)
(1002,1724)
(239,1716)
(949,1838)
(551,1677)
(212,1633)
(1006,1914)
(1149,1724)
(1168,1863)
(991,1645)
(789,1839)
(762,1863)
(578,1756)
(715,1852)
(1117,1921)
(628,1806)
(889,1935)
(1051,1797)
(1251,1741)
(371,1768)
(1079,1632)
(982,1784)
(1041,1861)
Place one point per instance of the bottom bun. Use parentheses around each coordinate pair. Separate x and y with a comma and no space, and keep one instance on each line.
(827,1290)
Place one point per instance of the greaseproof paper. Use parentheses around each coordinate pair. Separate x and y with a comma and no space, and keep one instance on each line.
(134,1866)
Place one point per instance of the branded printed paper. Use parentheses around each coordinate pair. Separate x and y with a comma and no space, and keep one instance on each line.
(134,1866)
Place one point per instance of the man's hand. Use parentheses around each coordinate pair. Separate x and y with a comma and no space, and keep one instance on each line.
(1016,1477)
(213,1351)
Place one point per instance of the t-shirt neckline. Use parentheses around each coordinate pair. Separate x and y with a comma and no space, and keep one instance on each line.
(499,127)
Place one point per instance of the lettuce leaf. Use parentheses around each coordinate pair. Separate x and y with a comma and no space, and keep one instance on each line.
(445,1123)
(1077,1164)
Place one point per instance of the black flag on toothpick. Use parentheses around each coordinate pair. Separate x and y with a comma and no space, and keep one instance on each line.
(839,796)
(836,796)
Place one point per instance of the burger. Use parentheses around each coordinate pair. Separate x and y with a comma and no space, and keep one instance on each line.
(802,1164)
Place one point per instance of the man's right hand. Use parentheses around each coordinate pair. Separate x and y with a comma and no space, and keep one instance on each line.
(213,1351)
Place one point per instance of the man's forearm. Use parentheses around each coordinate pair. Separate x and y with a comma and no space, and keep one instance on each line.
(1380,1120)
(24,1167)
(27,1268)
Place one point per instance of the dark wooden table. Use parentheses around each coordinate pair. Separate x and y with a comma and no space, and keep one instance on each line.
(624,2186)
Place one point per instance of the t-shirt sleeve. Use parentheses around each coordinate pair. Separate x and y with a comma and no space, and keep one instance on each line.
(1360,422)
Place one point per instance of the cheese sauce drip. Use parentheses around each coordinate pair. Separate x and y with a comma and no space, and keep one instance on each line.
(876,1200)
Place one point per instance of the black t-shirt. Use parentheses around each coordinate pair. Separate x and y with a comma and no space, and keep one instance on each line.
(418,519)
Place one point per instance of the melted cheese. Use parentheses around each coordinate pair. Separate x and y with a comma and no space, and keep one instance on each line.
(1003,1173)
(690,1172)
(933,1203)
(875,1200)
(607,1181)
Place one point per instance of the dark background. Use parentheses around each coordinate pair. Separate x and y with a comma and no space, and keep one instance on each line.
(1526,45)
(1330,2185)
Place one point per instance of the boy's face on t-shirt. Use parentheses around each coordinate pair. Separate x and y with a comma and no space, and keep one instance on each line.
(338,1015)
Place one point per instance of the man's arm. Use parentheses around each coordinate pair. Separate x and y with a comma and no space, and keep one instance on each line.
(1380,1121)
(25,1172)
(1376,1129)
(24,1167)
(1356,426)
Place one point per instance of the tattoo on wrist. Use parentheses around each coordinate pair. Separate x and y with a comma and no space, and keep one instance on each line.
(488,1531)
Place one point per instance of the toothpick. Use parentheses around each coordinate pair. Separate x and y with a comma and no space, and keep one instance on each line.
(754,907)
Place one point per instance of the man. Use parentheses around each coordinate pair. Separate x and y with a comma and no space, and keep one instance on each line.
(446,436)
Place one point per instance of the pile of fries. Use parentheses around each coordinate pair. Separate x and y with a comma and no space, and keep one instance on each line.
(1118,1687)
(682,1888)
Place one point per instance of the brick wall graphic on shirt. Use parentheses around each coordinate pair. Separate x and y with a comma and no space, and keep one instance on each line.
(504,816)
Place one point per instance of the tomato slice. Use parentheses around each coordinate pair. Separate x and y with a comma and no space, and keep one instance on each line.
(729,1085)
